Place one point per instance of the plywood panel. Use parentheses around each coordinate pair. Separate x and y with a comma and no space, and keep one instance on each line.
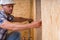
(50,10)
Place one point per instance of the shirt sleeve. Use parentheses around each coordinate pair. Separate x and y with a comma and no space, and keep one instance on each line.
(2,19)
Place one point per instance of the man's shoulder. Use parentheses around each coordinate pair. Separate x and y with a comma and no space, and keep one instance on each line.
(0,11)
(1,14)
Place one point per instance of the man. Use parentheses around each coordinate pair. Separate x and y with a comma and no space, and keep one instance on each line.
(6,18)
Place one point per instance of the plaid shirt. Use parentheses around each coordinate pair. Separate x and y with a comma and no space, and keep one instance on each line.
(3,17)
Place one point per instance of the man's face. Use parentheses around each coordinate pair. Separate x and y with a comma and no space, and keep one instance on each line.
(8,8)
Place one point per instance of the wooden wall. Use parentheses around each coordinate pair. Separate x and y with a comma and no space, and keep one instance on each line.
(23,8)
(50,10)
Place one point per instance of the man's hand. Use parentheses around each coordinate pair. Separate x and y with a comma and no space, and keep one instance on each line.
(36,24)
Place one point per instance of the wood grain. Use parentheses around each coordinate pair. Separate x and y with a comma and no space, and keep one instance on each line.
(50,10)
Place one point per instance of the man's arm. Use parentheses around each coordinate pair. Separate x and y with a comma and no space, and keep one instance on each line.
(17,26)
(21,19)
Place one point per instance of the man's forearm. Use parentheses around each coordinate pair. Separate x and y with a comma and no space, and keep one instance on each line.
(18,26)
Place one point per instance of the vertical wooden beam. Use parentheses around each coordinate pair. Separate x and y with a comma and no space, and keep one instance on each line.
(37,16)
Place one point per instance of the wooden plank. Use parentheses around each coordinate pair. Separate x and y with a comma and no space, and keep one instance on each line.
(50,10)
(37,16)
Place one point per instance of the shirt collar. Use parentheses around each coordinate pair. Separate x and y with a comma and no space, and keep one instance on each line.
(3,13)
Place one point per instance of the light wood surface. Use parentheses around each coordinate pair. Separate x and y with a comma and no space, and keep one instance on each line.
(50,10)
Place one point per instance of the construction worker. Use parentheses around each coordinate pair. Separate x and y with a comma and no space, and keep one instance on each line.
(6,17)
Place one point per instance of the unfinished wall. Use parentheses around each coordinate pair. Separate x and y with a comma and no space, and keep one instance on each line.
(50,10)
(23,8)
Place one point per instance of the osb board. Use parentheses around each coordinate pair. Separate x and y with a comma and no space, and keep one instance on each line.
(50,10)
(27,34)
(22,8)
